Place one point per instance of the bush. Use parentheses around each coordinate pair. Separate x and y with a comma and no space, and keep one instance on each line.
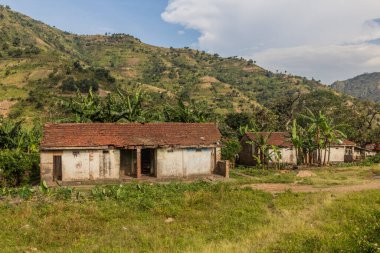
(69,85)
(230,150)
(375,159)
(18,168)
(104,74)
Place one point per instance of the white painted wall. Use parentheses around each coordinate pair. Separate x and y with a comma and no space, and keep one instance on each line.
(169,163)
(184,162)
(336,154)
(287,155)
(90,165)
(197,162)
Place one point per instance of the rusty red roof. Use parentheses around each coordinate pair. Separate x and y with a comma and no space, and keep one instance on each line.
(346,143)
(279,139)
(373,147)
(129,134)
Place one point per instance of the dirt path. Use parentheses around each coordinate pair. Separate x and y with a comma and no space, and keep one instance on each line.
(277,188)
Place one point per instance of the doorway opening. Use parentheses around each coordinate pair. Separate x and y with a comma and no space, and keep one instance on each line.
(57,168)
(147,162)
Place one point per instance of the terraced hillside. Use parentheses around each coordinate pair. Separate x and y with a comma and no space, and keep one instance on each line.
(40,65)
(37,58)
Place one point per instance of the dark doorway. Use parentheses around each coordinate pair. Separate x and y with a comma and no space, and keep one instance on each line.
(57,168)
(127,162)
(147,162)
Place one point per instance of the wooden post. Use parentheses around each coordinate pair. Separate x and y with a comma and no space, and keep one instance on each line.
(138,161)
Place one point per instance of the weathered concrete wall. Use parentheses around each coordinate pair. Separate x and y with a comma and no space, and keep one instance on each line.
(46,166)
(223,168)
(185,162)
(336,154)
(288,155)
(170,163)
(90,165)
(198,161)
(82,165)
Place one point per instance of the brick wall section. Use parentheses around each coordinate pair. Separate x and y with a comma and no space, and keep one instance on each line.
(218,156)
(223,168)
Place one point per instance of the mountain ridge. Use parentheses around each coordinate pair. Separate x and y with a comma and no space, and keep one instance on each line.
(365,86)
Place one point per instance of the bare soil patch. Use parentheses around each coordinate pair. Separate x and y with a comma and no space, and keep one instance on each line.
(209,79)
(305,173)
(5,107)
(40,74)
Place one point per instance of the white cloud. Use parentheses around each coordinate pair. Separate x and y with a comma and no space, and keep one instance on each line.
(325,39)
(181,32)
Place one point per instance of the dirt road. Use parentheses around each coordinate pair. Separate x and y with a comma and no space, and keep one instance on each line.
(277,188)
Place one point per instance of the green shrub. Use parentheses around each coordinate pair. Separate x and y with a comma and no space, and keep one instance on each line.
(18,168)
(375,159)
(69,85)
(230,149)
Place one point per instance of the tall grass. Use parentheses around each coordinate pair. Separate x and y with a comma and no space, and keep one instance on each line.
(215,217)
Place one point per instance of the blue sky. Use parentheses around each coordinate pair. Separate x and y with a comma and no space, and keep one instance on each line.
(326,39)
(140,18)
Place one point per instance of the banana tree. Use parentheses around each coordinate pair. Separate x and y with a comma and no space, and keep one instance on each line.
(331,134)
(298,141)
(262,153)
(192,112)
(317,122)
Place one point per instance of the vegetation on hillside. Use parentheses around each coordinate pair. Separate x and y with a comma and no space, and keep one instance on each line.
(36,81)
(19,157)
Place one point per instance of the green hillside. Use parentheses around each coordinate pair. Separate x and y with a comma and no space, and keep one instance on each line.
(41,65)
(366,86)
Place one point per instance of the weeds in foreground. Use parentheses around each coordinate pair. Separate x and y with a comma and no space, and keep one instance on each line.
(135,217)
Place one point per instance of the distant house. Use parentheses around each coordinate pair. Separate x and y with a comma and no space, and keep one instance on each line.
(372,149)
(281,140)
(110,151)
(339,152)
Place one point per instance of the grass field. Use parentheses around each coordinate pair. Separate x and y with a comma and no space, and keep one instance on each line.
(196,217)
(329,176)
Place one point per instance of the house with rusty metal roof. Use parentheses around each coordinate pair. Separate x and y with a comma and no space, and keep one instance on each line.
(117,151)
(281,140)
